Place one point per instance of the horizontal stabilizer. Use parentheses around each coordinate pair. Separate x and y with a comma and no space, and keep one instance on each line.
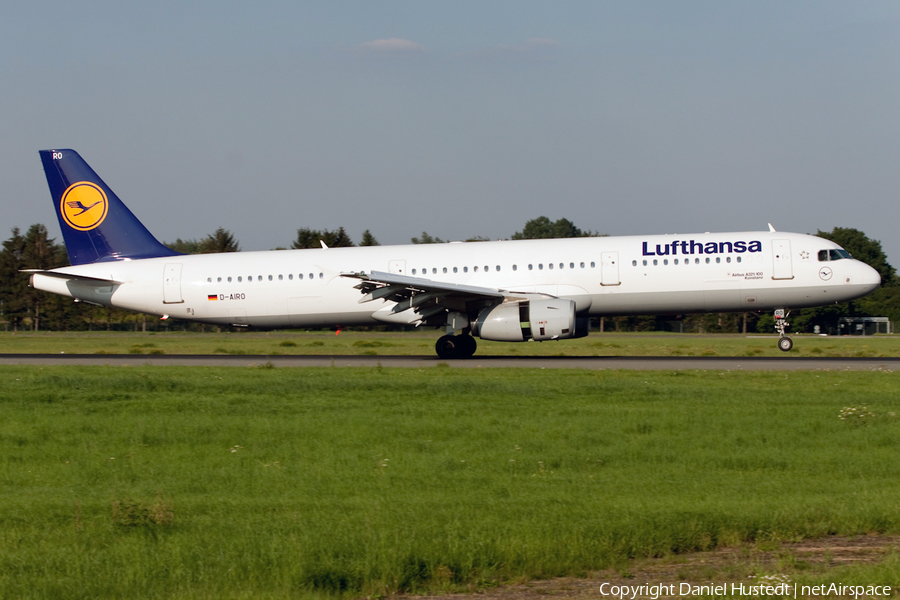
(73,277)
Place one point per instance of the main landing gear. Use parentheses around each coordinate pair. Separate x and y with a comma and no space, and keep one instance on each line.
(456,346)
(784,342)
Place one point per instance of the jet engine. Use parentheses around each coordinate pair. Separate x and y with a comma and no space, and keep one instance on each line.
(538,320)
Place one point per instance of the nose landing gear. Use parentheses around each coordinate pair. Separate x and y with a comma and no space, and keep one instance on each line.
(784,343)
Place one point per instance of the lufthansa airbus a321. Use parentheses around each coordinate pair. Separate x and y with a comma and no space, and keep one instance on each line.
(512,291)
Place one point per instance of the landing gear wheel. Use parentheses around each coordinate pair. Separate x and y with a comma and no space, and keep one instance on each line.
(784,343)
(467,346)
(447,347)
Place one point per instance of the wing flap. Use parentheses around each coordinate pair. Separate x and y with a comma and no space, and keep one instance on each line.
(426,298)
(376,280)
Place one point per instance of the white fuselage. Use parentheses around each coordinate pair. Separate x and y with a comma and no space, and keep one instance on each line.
(745,271)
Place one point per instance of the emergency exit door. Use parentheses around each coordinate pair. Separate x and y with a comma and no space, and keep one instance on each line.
(609,268)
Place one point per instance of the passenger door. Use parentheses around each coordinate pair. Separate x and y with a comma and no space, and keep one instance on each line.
(172,284)
(781,260)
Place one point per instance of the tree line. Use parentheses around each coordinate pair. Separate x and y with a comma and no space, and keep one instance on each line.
(22,307)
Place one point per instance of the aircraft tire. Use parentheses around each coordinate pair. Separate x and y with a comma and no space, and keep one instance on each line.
(467,346)
(785,344)
(447,347)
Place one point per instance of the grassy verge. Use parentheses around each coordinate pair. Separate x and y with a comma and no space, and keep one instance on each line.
(204,482)
(422,343)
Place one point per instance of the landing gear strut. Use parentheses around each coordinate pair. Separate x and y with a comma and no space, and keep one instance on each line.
(784,343)
(455,346)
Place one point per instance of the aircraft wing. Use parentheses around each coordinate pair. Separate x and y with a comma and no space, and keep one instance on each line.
(425,297)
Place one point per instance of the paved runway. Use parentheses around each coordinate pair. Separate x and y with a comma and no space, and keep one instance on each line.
(780,363)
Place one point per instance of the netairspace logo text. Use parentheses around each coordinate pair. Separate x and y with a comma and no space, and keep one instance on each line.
(791,590)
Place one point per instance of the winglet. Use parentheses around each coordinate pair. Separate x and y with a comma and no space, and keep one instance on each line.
(771,228)
(96,225)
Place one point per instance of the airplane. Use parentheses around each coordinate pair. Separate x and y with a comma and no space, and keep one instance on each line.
(512,291)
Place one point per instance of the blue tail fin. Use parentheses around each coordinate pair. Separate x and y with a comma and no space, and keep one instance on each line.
(96,226)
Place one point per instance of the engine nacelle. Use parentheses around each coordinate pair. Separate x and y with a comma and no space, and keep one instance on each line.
(539,320)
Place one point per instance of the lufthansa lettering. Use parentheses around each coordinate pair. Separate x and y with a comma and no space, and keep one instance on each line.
(692,247)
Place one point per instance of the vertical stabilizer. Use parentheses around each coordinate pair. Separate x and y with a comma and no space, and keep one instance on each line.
(96,225)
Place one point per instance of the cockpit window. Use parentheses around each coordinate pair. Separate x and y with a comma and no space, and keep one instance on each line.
(825,255)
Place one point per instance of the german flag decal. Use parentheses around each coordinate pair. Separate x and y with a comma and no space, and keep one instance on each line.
(212,297)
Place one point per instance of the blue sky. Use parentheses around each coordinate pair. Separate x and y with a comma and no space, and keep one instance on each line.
(460,119)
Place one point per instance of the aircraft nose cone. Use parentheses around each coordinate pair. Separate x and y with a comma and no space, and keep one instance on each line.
(867,276)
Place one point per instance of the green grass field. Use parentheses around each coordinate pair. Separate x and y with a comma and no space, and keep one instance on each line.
(152,482)
(422,343)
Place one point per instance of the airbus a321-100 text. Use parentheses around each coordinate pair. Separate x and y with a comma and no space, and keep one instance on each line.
(512,291)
